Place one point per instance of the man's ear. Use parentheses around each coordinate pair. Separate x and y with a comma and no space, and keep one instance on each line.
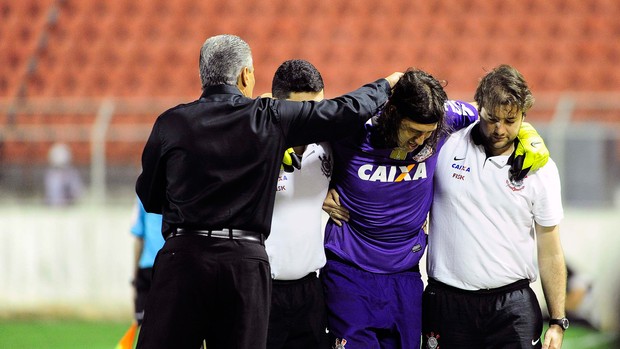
(244,77)
(240,80)
(243,80)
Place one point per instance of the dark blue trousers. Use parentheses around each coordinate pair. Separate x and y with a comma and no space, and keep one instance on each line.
(371,310)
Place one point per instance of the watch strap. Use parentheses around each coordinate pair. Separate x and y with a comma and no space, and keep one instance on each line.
(563,323)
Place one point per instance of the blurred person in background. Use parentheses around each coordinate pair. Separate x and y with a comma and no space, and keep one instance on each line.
(146,229)
(580,301)
(580,307)
(492,233)
(295,245)
(63,183)
(210,167)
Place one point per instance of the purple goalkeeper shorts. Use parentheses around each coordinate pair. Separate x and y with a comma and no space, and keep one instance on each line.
(369,310)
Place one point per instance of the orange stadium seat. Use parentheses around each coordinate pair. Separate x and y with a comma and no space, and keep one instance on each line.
(82,31)
(14,53)
(17,151)
(376,31)
(20,36)
(37,84)
(132,49)
(311,9)
(125,83)
(365,9)
(534,7)
(31,8)
(26,118)
(74,8)
(93,82)
(111,29)
(552,78)
(51,84)
(596,77)
(124,153)
(599,8)
(568,7)
(568,27)
(593,27)
(237,7)
(126,9)
(388,9)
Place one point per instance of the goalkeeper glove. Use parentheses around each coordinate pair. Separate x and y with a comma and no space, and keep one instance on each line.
(291,161)
(530,153)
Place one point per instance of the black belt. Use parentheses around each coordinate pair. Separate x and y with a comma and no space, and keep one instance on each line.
(226,233)
(517,285)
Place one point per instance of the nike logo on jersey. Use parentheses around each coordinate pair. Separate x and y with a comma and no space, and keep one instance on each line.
(392,173)
(535,144)
(459,159)
(534,342)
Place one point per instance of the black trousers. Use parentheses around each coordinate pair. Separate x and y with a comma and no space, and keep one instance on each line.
(298,318)
(207,288)
(504,318)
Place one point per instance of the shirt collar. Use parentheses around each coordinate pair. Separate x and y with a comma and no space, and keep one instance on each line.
(220,89)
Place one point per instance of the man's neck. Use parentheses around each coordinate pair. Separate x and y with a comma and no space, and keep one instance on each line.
(299,150)
(497,152)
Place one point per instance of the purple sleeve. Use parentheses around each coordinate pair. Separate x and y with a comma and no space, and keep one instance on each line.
(460,114)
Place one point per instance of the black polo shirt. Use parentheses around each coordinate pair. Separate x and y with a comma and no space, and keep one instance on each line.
(214,163)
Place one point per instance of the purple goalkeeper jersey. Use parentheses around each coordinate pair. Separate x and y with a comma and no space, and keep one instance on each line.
(388,199)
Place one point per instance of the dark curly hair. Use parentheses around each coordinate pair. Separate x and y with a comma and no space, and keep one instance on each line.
(417,96)
(296,75)
(504,86)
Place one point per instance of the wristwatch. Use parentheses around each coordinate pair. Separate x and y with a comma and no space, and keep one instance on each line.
(563,323)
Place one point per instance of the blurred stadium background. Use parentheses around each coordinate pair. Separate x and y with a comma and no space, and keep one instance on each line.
(95,74)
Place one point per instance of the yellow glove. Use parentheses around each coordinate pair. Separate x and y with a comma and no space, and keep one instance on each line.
(530,153)
(291,161)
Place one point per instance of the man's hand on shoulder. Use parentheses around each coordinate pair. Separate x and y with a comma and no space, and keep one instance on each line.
(393,78)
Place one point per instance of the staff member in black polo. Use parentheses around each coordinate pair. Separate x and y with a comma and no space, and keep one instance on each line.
(211,167)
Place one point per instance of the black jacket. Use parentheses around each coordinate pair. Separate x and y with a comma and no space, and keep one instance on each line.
(214,163)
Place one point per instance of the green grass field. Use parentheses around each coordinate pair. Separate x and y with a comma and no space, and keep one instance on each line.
(70,334)
(57,334)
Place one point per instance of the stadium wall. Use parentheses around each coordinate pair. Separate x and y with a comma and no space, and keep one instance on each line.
(73,261)
(77,261)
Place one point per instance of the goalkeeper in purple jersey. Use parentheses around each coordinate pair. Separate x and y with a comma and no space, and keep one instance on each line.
(382,192)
